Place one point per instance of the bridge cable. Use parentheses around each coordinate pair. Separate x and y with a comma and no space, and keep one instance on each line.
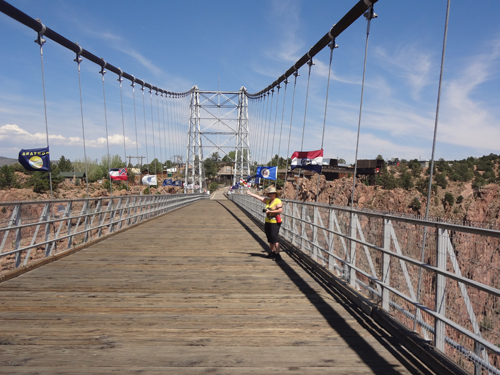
(296,74)
(103,72)
(78,60)
(310,63)
(264,127)
(259,135)
(164,134)
(281,132)
(332,46)
(432,156)
(137,140)
(145,131)
(120,79)
(40,41)
(268,128)
(274,130)
(369,16)
(153,129)
(159,137)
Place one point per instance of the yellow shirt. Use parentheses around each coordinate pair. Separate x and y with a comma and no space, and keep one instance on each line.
(272,207)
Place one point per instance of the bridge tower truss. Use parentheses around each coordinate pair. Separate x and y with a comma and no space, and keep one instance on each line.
(194,181)
(218,124)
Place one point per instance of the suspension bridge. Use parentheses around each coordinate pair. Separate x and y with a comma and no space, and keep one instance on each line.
(180,283)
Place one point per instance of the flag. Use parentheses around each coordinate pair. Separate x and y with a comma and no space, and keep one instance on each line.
(178,183)
(267,173)
(35,159)
(310,160)
(149,180)
(118,174)
(167,182)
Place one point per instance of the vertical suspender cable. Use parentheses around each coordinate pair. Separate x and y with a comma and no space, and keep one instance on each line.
(40,41)
(137,139)
(145,129)
(369,16)
(153,127)
(310,63)
(78,60)
(120,79)
(332,45)
(296,74)
(274,130)
(281,126)
(106,126)
(159,135)
(432,156)
(261,130)
(268,128)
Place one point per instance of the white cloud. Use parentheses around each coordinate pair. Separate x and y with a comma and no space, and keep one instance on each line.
(13,134)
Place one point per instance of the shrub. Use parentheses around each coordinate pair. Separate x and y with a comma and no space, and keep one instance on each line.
(146,191)
(41,185)
(213,186)
(406,181)
(449,199)
(441,180)
(415,204)
(460,199)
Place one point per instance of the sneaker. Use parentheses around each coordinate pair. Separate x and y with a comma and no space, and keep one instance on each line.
(277,257)
(271,255)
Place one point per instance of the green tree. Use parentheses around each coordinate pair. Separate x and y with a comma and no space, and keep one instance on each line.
(65,164)
(213,186)
(230,157)
(7,177)
(379,157)
(155,167)
(211,168)
(406,181)
(386,180)
(341,161)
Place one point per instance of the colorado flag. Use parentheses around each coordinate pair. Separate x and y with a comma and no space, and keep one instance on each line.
(310,160)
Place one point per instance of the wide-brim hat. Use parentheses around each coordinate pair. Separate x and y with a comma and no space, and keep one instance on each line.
(271,190)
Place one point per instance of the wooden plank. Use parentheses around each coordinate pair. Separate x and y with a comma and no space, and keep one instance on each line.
(190,292)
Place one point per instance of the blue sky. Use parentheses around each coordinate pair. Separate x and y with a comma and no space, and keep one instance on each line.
(177,44)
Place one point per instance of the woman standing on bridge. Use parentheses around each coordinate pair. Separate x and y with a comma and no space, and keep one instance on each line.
(273,210)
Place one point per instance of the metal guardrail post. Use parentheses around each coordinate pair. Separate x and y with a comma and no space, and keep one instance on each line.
(386,265)
(352,252)
(315,247)
(440,296)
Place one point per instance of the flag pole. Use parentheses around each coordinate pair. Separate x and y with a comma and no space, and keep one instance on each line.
(40,41)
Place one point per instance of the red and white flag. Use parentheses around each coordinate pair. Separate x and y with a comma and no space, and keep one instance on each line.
(310,160)
(118,174)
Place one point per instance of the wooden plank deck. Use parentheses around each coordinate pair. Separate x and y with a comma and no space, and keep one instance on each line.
(188,293)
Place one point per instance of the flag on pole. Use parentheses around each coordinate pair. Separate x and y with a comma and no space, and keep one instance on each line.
(149,180)
(267,173)
(310,160)
(167,182)
(35,159)
(119,174)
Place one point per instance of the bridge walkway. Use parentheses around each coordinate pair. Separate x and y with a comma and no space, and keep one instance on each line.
(190,292)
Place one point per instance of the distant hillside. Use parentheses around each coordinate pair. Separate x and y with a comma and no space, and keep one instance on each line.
(7,161)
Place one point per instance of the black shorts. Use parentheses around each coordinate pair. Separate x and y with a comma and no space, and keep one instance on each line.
(272,230)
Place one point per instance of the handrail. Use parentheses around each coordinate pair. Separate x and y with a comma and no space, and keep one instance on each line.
(46,231)
(379,253)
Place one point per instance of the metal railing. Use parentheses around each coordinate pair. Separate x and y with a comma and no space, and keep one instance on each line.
(458,305)
(32,230)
